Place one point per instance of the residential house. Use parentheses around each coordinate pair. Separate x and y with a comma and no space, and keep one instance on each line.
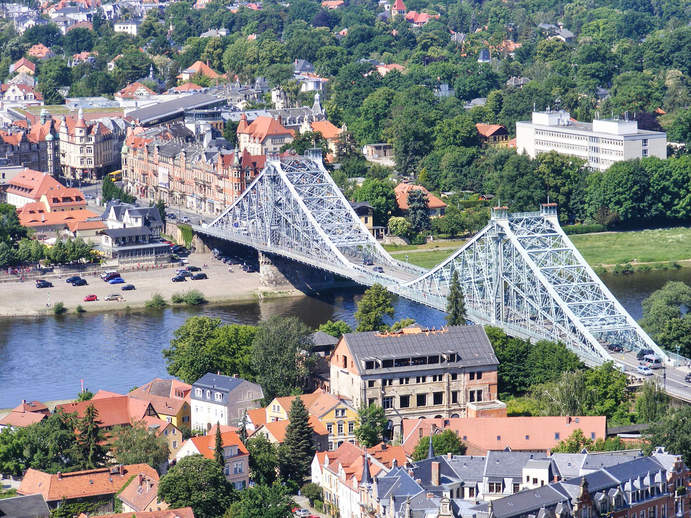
(23,66)
(216,398)
(35,147)
(379,153)
(30,187)
(235,455)
(398,9)
(169,397)
(82,57)
(134,90)
(40,51)
(492,134)
(365,212)
(435,207)
(141,495)
(600,143)
(26,414)
(330,132)
(88,150)
(302,66)
(97,486)
(517,81)
(170,433)
(199,68)
(264,135)
(187,88)
(481,434)
(21,93)
(275,432)
(130,27)
(418,20)
(30,506)
(113,409)
(416,372)
(484,56)
(183,512)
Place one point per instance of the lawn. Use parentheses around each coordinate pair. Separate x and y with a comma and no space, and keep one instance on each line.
(605,248)
(440,243)
(644,246)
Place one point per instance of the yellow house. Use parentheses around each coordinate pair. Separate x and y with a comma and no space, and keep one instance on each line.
(170,399)
(336,414)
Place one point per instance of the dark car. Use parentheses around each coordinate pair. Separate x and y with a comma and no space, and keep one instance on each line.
(378,269)
(194,269)
(367,262)
(79,282)
(616,348)
(199,276)
(643,352)
(40,283)
(178,278)
(127,287)
(249,268)
(184,273)
(72,279)
(687,379)
(111,276)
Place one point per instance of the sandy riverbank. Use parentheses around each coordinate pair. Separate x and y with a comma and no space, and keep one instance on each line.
(24,299)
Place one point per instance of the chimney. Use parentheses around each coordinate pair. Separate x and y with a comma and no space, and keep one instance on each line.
(140,479)
(449,455)
(435,473)
(59,475)
(121,470)
(23,401)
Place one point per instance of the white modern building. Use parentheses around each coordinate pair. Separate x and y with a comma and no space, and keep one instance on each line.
(216,398)
(600,143)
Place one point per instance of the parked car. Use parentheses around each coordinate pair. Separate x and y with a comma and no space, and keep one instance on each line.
(378,269)
(178,278)
(40,283)
(643,370)
(185,219)
(643,352)
(70,280)
(90,298)
(113,296)
(171,215)
(191,268)
(615,348)
(116,280)
(111,276)
(80,282)
(109,272)
(127,287)
(687,379)
(184,273)
(199,276)
(367,262)
(302,513)
(652,361)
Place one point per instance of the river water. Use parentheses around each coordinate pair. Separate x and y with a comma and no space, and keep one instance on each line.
(46,358)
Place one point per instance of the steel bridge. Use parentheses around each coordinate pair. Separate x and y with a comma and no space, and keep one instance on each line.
(520,273)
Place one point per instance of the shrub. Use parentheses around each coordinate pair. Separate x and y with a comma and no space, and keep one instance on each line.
(79,309)
(623,269)
(187,233)
(156,302)
(59,308)
(312,491)
(644,268)
(583,229)
(191,298)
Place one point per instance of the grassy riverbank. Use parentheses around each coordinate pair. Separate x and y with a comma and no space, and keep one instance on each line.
(658,248)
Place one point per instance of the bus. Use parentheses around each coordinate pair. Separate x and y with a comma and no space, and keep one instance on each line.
(115,176)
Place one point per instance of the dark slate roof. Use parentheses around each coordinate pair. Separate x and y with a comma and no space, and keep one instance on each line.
(526,501)
(321,339)
(468,467)
(422,471)
(469,342)
(633,468)
(30,506)
(503,464)
(173,108)
(397,482)
(151,213)
(116,233)
(218,381)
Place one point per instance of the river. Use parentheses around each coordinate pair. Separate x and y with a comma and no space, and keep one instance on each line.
(46,358)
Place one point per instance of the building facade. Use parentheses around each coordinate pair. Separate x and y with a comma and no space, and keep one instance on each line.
(222,399)
(416,372)
(600,143)
(37,148)
(264,135)
(235,456)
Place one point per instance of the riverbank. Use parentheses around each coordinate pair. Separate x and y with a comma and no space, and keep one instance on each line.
(222,287)
(656,249)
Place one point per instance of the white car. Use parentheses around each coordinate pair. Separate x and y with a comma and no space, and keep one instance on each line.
(302,513)
(645,371)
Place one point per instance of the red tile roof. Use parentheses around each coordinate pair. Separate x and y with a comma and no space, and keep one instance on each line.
(22,419)
(263,127)
(184,512)
(199,67)
(24,62)
(166,396)
(133,90)
(112,410)
(487,130)
(39,51)
(188,87)
(398,5)
(33,184)
(206,444)
(31,406)
(75,226)
(81,484)
(403,189)
(328,130)
(278,428)
(257,416)
(35,218)
(496,433)
(141,492)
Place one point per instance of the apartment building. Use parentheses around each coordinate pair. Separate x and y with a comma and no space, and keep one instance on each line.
(195,172)
(37,147)
(264,135)
(416,372)
(90,149)
(216,398)
(600,143)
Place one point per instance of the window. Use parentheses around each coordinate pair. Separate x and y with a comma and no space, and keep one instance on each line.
(516,488)
(495,487)
(556,436)
(404,401)
(330,428)
(237,468)
(454,396)
(527,437)
(478,375)
(387,382)
(645,141)
(351,428)
(208,394)
(421,379)
(218,396)
(421,399)
(369,365)
(454,377)
(340,412)
(403,381)
(175,444)
(475,395)
(370,383)
(387,402)
(471,376)
(370,401)
(340,428)
(438,398)
(198,392)
(471,492)
(592,435)
(437,377)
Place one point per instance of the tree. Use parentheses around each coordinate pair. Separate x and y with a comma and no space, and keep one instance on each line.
(10,228)
(89,450)
(312,492)
(380,195)
(263,460)
(203,344)
(297,451)
(672,432)
(335,329)
(281,356)
(574,443)
(442,443)
(138,445)
(399,226)
(199,483)
(48,445)
(218,447)
(372,424)
(455,306)
(374,305)
(161,206)
(663,318)
(78,40)
(651,404)
(262,501)
(418,212)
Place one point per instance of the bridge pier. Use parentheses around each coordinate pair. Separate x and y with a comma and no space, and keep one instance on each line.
(280,274)
(271,275)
